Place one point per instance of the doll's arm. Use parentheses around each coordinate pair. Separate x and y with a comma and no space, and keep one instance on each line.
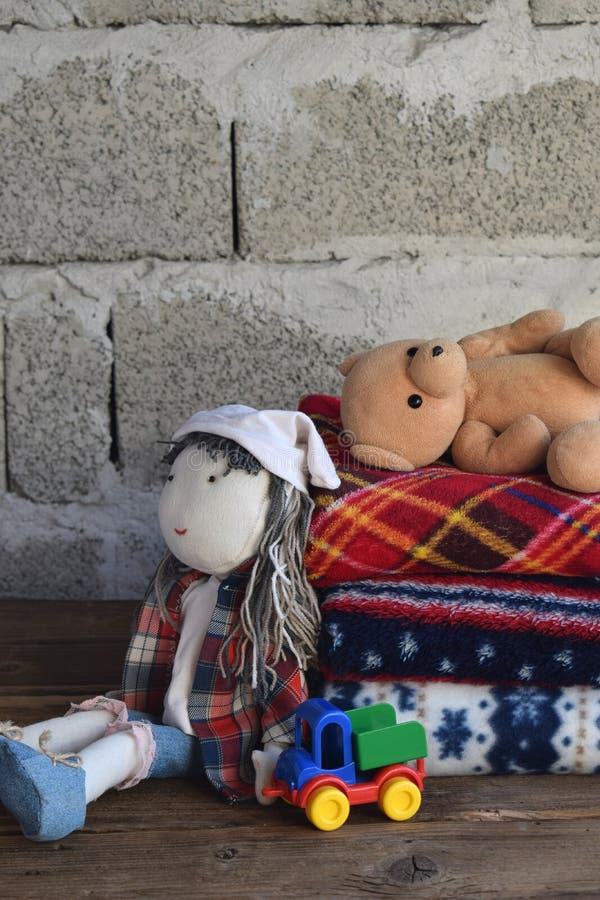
(529,334)
(264,762)
(278,721)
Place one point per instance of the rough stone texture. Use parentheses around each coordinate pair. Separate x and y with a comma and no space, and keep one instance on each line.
(2,412)
(558,12)
(58,360)
(107,153)
(196,349)
(357,169)
(53,13)
(78,552)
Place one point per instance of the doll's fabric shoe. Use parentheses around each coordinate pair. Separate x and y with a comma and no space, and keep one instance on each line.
(48,801)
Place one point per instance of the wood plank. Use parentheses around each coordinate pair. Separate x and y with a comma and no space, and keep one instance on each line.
(167,839)
(63,642)
(53,621)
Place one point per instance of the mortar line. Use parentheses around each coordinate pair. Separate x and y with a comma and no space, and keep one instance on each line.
(113,453)
(235,223)
(5,401)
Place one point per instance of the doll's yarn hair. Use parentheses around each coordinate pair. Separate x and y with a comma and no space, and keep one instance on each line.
(280,612)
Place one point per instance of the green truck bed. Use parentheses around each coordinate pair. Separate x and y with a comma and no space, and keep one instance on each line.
(379,741)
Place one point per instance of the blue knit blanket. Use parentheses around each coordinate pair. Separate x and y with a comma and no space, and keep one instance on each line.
(489,629)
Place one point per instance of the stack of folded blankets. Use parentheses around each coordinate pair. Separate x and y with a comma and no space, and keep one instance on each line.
(469,602)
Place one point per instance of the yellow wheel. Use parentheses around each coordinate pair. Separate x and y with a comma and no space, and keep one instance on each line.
(399,799)
(327,808)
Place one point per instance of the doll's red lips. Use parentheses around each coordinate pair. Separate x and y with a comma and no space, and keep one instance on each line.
(180,530)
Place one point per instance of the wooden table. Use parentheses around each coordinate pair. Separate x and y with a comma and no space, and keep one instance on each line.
(473,837)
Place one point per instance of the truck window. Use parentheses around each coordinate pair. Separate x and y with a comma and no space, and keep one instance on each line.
(332,747)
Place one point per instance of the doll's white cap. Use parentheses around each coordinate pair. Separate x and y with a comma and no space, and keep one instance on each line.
(285,442)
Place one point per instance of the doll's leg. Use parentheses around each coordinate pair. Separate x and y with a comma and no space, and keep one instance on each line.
(43,778)
(140,748)
(47,800)
(176,755)
(48,791)
(83,724)
(68,734)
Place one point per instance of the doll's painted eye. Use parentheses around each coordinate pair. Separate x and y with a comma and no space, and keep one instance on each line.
(411,351)
(170,478)
(212,478)
(414,401)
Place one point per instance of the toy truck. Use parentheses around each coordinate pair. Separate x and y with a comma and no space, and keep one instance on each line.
(344,758)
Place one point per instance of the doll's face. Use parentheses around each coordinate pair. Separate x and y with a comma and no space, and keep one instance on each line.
(212,518)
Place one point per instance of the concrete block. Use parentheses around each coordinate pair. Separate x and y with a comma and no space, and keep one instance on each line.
(207,339)
(52,13)
(79,552)
(109,151)
(58,373)
(561,12)
(424,142)
(190,337)
(42,558)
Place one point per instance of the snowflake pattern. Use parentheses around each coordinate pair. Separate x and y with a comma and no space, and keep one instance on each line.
(564,658)
(453,733)
(371,660)
(406,697)
(525,673)
(527,708)
(407,647)
(486,652)
(336,634)
(446,666)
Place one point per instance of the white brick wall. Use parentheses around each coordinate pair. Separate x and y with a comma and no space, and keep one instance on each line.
(199,209)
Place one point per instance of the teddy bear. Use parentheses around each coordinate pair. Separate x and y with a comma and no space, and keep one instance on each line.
(506,400)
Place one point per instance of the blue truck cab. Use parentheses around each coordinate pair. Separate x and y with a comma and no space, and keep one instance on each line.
(323,744)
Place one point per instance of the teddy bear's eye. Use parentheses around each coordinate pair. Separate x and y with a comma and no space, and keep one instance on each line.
(170,478)
(212,478)
(411,351)
(414,401)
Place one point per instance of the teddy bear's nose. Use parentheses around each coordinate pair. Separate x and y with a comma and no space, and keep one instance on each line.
(437,350)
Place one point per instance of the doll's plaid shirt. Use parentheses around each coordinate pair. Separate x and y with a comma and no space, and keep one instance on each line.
(223,711)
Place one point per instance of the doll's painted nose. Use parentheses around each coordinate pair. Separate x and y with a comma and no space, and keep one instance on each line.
(180,530)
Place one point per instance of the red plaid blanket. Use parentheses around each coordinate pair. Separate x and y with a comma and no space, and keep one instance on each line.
(393,524)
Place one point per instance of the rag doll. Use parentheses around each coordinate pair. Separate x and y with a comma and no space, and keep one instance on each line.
(215,668)
(504,401)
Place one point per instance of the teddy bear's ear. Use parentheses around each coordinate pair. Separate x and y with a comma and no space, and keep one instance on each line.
(345,366)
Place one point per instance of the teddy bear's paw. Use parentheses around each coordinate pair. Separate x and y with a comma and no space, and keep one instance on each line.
(585,349)
(522,447)
(574,458)
(379,458)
